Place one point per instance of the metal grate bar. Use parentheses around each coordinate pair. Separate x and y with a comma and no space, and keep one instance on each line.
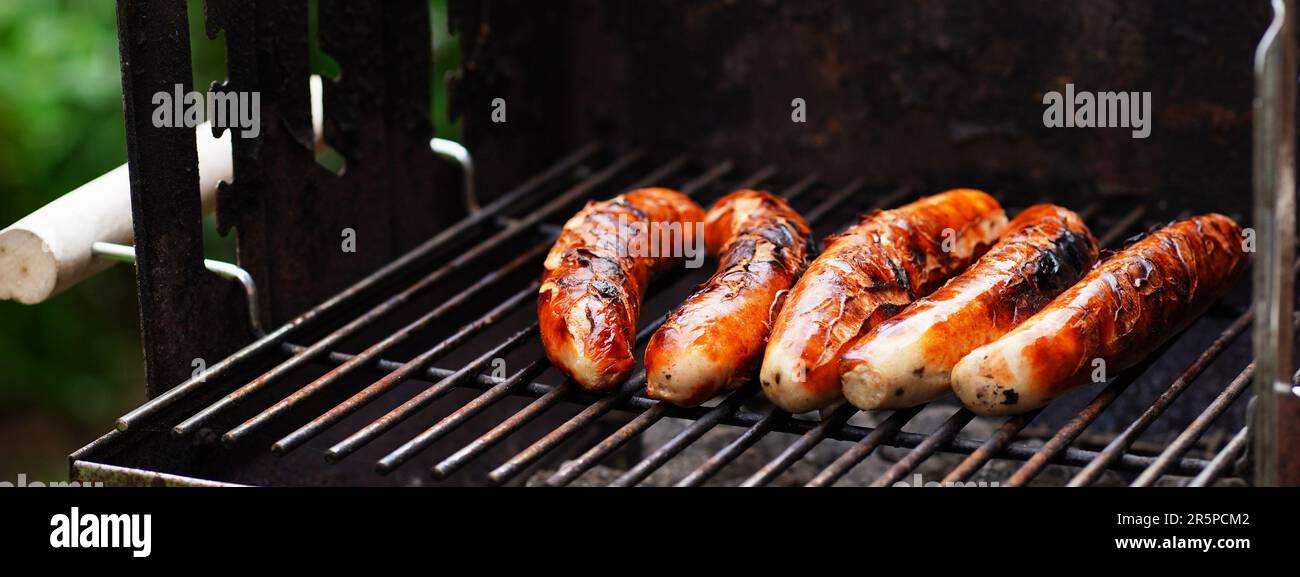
(510,425)
(1223,460)
(690,434)
(374,351)
(727,454)
(406,371)
(1184,441)
(732,410)
(1103,399)
(328,343)
(800,447)
(406,409)
(995,443)
(272,341)
(942,435)
(576,467)
(1124,225)
(1066,434)
(724,410)
(857,453)
(1125,439)
(551,440)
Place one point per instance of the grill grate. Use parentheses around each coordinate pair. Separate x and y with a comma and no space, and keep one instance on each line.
(474,341)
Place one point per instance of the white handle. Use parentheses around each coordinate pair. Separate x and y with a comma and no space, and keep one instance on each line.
(50,250)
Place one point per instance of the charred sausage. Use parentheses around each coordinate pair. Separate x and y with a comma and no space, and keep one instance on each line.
(908,359)
(1128,305)
(865,275)
(713,340)
(596,275)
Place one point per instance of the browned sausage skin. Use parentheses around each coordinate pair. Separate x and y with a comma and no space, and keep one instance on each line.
(865,275)
(1128,305)
(596,276)
(712,341)
(908,359)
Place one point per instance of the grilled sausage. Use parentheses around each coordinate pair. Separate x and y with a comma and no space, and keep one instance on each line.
(1128,305)
(908,359)
(866,275)
(596,276)
(712,341)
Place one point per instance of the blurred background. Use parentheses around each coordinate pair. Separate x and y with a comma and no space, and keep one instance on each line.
(71,365)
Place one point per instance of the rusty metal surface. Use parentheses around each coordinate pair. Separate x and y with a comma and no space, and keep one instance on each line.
(185,311)
(114,476)
(342,449)
(896,90)
(290,212)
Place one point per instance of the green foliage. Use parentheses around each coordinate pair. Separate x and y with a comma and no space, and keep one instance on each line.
(61,125)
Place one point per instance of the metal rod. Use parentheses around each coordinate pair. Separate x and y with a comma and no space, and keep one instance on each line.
(574,468)
(393,303)
(126,254)
(1108,395)
(763,422)
(1198,426)
(757,178)
(408,370)
(864,447)
(1066,434)
(1012,426)
(942,435)
(1128,221)
(402,454)
(411,367)
(551,440)
(683,439)
(547,443)
(372,354)
(455,151)
(374,351)
(1223,460)
(507,427)
(1130,434)
(1193,431)
(1276,419)
(800,447)
(664,171)
(727,454)
(995,443)
(544,445)
(273,340)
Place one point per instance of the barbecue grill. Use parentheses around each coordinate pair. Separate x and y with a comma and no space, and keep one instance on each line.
(416,360)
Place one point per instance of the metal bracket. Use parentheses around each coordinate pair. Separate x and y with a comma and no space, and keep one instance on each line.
(123,253)
(453,150)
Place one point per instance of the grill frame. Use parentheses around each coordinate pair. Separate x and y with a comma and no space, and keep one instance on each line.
(1275,417)
(91,464)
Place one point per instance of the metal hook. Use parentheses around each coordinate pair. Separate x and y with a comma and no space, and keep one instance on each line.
(453,150)
(123,253)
